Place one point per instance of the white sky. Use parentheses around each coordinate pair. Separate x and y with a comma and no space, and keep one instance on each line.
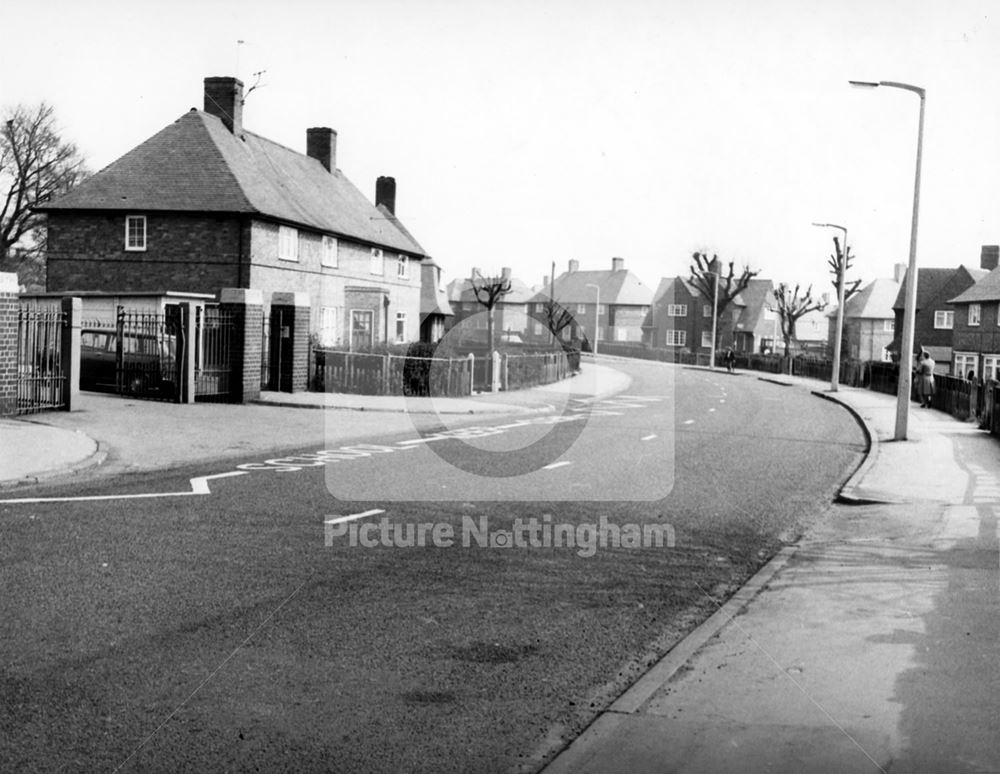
(526,131)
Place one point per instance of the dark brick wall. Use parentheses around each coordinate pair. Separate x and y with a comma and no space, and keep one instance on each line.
(246,350)
(9,303)
(983,338)
(194,253)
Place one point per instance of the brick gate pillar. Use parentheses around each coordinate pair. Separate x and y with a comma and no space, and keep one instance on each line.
(290,326)
(247,309)
(9,305)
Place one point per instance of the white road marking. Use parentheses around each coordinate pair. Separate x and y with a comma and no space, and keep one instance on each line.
(689,422)
(711,410)
(649,437)
(199,486)
(353,516)
(556,465)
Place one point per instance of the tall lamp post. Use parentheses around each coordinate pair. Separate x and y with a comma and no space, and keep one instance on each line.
(838,337)
(597,315)
(910,307)
(715,310)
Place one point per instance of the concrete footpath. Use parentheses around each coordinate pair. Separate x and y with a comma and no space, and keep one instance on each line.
(872,645)
(110,435)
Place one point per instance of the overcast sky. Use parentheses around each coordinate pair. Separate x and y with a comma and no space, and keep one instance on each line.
(522,133)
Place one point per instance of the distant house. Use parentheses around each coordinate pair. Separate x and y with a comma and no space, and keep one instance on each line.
(934,318)
(510,315)
(609,303)
(205,204)
(976,327)
(869,320)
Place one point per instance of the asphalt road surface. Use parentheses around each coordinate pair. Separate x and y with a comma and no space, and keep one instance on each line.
(452,599)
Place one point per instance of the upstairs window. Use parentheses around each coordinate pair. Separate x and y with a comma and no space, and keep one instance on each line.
(706,310)
(975,313)
(329,258)
(889,326)
(944,320)
(377,262)
(677,310)
(403,267)
(288,243)
(135,232)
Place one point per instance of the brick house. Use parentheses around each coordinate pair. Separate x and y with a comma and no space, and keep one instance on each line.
(976,331)
(869,320)
(624,303)
(681,317)
(205,204)
(435,310)
(510,315)
(934,318)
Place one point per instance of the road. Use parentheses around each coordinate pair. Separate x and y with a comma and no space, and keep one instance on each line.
(229,623)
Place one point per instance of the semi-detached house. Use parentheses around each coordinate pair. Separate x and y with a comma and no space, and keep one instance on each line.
(205,204)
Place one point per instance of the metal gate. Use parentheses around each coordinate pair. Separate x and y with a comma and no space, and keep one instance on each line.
(213,354)
(149,352)
(40,377)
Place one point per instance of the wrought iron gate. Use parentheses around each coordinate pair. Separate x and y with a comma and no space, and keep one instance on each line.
(40,377)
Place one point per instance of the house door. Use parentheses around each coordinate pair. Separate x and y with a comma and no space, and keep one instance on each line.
(362,329)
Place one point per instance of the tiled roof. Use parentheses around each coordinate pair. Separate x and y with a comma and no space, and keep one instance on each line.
(433,298)
(986,289)
(460,290)
(931,282)
(754,297)
(197,165)
(620,288)
(873,301)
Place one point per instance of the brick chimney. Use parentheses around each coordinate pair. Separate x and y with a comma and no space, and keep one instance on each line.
(321,144)
(617,264)
(224,99)
(574,265)
(899,272)
(385,193)
(989,257)
(505,273)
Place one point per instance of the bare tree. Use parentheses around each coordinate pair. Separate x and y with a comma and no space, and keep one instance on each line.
(835,261)
(36,164)
(556,317)
(706,273)
(791,304)
(490,292)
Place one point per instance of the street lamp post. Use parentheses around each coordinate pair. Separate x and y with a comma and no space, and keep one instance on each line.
(715,310)
(838,337)
(910,307)
(597,315)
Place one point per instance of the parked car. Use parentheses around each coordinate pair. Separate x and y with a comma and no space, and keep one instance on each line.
(149,362)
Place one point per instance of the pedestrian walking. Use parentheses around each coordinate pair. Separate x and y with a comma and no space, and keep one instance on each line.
(925,379)
(730,359)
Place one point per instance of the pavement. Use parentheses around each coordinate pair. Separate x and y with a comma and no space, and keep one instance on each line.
(110,435)
(869,645)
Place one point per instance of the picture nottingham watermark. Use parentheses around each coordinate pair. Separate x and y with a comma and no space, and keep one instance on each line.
(586,537)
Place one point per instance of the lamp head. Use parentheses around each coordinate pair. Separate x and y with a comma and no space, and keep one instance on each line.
(864,84)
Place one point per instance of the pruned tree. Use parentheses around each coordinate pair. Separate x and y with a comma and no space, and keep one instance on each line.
(846,259)
(706,273)
(489,292)
(791,304)
(556,317)
(36,164)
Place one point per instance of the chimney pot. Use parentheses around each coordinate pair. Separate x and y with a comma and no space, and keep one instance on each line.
(617,264)
(385,193)
(321,144)
(989,257)
(224,100)
(505,273)
(574,265)
(899,272)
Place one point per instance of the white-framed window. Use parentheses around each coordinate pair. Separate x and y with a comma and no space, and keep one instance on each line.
(400,326)
(991,363)
(288,243)
(581,308)
(706,310)
(135,232)
(975,314)
(964,363)
(602,309)
(944,320)
(888,326)
(328,318)
(675,338)
(403,267)
(677,310)
(377,265)
(706,339)
(329,257)
(538,328)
